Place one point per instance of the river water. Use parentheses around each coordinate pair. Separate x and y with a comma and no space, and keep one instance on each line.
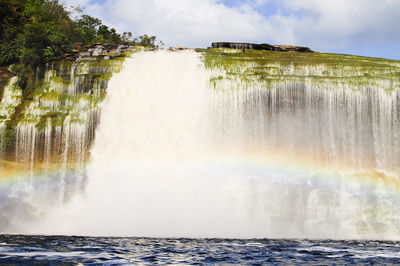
(61,250)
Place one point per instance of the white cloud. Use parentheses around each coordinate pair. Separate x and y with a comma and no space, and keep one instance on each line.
(75,3)
(193,23)
(344,22)
(323,25)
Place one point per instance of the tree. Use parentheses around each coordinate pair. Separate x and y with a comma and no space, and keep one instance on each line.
(146,40)
(86,29)
(35,32)
(12,22)
(127,37)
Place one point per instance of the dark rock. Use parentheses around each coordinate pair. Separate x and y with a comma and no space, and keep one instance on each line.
(291,48)
(262,46)
(5,77)
(96,50)
(252,46)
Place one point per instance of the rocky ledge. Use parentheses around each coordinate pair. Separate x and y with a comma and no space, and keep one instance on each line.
(262,46)
(98,50)
(5,76)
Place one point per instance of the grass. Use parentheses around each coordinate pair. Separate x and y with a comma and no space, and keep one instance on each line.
(269,68)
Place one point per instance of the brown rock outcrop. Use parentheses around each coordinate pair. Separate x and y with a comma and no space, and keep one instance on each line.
(262,46)
(291,48)
(97,49)
(5,76)
(238,45)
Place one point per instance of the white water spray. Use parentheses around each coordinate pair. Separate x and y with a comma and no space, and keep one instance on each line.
(155,171)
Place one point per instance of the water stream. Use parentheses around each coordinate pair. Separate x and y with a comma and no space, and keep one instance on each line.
(175,156)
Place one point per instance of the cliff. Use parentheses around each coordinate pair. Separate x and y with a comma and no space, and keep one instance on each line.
(55,124)
(268,69)
(348,106)
(263,46)
(5,77)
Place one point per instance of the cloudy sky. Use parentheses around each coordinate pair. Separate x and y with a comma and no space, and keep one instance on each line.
(362,27)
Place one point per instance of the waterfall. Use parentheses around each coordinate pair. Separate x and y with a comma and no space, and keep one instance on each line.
(338,128)
(12,97)
(46,134)
(185,150)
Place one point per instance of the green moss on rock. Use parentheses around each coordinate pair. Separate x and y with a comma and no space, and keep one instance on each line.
(270,68)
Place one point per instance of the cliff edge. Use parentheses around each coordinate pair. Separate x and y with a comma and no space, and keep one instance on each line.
(262,46)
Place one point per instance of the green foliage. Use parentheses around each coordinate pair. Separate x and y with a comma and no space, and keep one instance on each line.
(35,32)
(9,138)
(85,29)
(10,52)
(88,29)
(127,37)
(21,71)
(273,68)
(12,21)
(104,34)
(144,40)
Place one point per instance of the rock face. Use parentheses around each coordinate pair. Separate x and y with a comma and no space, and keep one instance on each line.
(95,51)
(56,122)
(5,76)
(262,46)
(291,48)
(252,46)
(98,50)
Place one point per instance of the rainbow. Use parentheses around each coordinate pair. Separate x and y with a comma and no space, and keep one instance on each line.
(250,163)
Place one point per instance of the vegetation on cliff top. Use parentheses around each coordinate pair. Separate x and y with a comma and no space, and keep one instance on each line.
(35,32)
(270,68)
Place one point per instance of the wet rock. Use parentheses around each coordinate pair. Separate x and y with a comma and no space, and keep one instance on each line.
(5,77)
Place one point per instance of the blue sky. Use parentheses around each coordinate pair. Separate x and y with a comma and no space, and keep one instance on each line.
(362,27)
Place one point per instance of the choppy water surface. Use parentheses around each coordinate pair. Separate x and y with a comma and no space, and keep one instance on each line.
(22,249)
